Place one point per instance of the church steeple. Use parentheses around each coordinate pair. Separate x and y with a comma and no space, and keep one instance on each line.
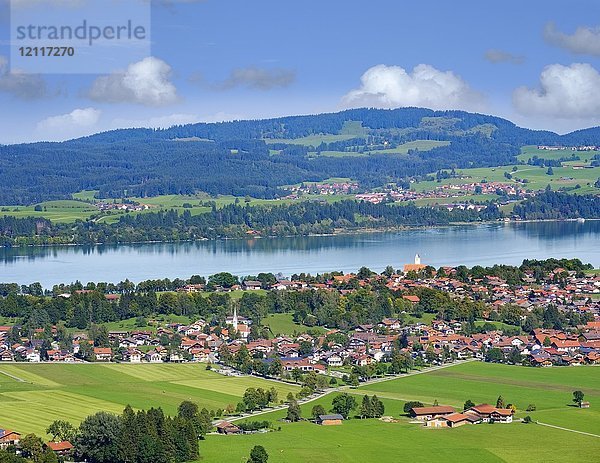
(417,259)
(234,322)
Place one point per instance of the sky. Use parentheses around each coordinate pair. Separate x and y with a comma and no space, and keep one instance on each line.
(534,62)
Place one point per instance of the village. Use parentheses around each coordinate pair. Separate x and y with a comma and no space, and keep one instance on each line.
(336,352)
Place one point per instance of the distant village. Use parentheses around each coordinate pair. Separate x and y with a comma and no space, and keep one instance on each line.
(335,351)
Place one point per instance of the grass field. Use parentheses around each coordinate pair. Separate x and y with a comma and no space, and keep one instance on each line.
(376,441)
(528,152)
(421,145)
(283,323)
(550,389)
(48,392)
(538,179)
(65,211)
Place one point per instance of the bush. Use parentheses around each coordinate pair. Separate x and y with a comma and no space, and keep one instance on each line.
(531,408)
(527,420)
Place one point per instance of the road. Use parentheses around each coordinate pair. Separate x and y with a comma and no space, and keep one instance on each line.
(314,397)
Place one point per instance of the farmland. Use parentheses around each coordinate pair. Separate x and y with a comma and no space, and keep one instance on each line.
(375,441)
(47,392)
(282,323)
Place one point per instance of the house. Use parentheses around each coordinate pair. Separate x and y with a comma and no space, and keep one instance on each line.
(502,415)
(154,356)
(430,413)
(225,427)
(251,285)
(439,422)
(584,405)
(330,420)
(335,361)
(62,449)
(6,356)
(103,354)
(132,355)
(8,437)
(489,413)
(459,419)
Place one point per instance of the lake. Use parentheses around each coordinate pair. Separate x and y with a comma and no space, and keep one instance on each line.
(502,243)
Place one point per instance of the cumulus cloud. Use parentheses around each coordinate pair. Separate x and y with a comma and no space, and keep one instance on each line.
(501,56)
(564,91)
(77,123)
(584,41)
(258,78)
(392,87)
(146,82)
(19,84)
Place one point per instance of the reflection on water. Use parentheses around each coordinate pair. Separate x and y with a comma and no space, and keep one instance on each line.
(469,245)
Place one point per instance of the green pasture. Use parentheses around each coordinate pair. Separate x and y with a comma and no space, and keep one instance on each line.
(375,441)
(283,323)
(48,392)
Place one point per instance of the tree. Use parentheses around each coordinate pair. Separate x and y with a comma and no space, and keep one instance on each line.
(293,412)
(550,171)
(377,406)
(500,402)
(494,355)
(408,406)
(61,430)
(317,411)
(343,404)
(258,454)
(578,397)
(98,438)
(468,404)
(32,447)
(296,375)
(366,409)
(531,408)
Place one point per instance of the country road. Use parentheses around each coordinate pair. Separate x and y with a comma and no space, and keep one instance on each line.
(314,397)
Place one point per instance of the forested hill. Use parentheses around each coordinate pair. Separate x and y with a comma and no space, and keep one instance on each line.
(257,158)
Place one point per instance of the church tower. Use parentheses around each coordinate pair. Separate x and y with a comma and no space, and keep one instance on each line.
(234,322)
(417,259)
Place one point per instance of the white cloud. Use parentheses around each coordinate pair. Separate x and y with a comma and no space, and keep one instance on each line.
(392,87)
(19,84)
(146,82)
(501,56)
(77,123)
(584,41)
(564,92)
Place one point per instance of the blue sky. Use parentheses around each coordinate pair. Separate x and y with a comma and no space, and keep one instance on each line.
(535,62)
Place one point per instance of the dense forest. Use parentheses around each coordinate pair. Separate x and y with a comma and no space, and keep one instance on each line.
(302,218)
(213,157)
(556,205)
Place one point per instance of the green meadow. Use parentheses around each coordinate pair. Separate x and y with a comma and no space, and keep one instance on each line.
(563,177)
(64,211)
(283,323)
(528,152)
(376,441)
(550,389)
(46,392)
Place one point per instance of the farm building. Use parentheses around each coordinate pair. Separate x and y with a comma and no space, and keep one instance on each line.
(330,420)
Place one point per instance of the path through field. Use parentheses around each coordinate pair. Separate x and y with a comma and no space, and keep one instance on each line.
(567,429)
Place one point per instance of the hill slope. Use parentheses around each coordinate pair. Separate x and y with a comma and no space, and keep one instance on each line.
(258,157)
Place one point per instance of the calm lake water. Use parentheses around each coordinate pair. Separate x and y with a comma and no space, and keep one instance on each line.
(468,245)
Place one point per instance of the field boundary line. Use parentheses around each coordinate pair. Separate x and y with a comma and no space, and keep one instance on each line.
(16,378)
(567,429)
